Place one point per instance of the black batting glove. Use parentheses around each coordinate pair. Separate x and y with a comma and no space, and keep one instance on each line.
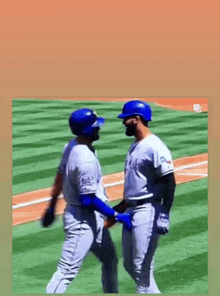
(48,217)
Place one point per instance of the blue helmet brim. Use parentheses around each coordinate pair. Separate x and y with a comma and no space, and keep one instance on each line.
(99,122)
(122,116)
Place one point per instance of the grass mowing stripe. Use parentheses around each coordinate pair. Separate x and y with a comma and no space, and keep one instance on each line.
(59,108)
(188,227)
(28,130)
(198,286)
(175,114)
(194,150)
(48,136)
(41,116)
(188,190)
(34,176)
(175,142)
(54,135)
(48,161)
(39,144)
(124,144)
(180,132)
(179,250)
(30,152)
(181,214)
(39,126)
(34,184)
(23,161)
(49,103)
(184,273)
(178,120)
(202,127)
(100,147)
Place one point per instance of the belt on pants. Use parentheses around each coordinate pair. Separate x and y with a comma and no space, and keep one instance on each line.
(139,202)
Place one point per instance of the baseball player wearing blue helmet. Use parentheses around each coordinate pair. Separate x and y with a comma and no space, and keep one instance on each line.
(149,189)
(79,177)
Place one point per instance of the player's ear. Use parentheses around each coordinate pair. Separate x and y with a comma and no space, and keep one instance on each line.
(137,119)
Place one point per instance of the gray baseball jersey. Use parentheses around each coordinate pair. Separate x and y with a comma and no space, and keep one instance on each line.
(81,173)
(146,160)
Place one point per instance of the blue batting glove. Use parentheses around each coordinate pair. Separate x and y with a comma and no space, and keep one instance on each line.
(162,223)
(125,219)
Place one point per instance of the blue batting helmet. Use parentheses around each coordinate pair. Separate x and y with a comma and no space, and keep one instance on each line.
(136,107)
(83,122)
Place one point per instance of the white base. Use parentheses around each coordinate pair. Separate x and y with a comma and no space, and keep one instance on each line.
(197,108)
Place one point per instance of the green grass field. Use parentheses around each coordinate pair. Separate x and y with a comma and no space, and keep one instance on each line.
(40,130)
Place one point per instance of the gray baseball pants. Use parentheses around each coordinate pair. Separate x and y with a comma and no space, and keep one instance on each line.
(139,246)
(84,233)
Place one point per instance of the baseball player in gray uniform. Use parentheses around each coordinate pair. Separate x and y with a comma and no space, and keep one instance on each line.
(148,195)
(79,177)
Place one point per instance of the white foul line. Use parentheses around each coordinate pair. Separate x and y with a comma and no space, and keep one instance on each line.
(193,174)
(114,184)
(33,202)
(37,201)
(190,166)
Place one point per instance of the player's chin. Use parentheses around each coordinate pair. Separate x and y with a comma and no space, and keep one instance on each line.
(129,132)
(95,137)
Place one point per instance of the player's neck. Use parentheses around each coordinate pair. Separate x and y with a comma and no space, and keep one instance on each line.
(142,133)
(83,140)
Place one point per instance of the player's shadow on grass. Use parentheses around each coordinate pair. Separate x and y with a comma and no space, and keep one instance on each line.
(183,272)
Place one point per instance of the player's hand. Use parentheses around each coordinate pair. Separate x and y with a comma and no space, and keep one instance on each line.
(48,217)
(120,208)
(162,223)
(125,219)
(109,222)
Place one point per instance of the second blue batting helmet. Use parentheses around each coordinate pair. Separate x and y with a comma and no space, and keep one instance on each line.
(136,107)
(83,122)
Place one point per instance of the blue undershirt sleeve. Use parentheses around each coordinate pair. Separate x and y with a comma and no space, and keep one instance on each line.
(93,202)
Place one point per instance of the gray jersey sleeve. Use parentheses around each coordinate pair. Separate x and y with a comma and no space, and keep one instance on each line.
(162,161)
(63,161)
(87,177)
